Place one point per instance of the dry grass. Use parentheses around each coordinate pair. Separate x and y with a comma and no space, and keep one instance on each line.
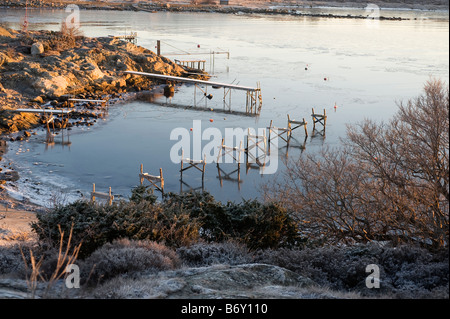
(35,274)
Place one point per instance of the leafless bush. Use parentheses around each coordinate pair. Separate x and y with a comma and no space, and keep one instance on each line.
(409,160)
(387,182)
(127,257)
(11,262)
(405,271)
(206,254)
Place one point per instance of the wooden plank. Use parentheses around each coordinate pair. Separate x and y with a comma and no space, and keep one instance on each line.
(102,195)
(298,122)
(150,177)
(188,80)
(86,100)
(273,128)
(43,111)
(191,161)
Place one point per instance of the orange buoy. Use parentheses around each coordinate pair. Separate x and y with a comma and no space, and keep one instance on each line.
(211,120)
(191,129)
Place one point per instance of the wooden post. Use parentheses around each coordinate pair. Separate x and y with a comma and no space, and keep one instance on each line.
(239,158)
(204,166)
(110,197)
(162,180)
(158,47)
(220,153)
(314,120)
(289,127)
(181,170)
(306,130)
(93,192)
(142,172)
(270,129)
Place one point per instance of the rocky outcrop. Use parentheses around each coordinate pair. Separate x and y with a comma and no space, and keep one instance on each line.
(42,66)
(88,65)
(217,281)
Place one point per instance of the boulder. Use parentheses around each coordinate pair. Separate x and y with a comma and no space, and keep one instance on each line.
(37,49)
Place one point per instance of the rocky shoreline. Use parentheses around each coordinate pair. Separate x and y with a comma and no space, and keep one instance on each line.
(42,69)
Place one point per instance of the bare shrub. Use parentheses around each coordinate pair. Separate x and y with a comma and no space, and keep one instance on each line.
(409,160)
(11,262)
(206,254)
(66,255)
(129,257)
(386,182)
(405,271)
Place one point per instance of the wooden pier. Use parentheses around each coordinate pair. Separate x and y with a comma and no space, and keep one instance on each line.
(319,118)
(253,101)
(48,115)
(108,196)
(132,37)
(71,101)
(255,144)
(285,133)
(235,154)
(154,180)
(193,64)
(199,165)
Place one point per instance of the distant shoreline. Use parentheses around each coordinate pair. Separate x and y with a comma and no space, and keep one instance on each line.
(293,8)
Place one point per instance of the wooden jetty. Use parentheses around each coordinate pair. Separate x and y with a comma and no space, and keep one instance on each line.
(48,114)
(154,180)
(194,64)
(253,101)
(71,101)
(319,118)
(285,133)
(108,196)
(297,124)
(132,37)
(255,144)
(198,164)
(235,154)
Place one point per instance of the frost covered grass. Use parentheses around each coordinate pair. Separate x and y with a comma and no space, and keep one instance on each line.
(121,269)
